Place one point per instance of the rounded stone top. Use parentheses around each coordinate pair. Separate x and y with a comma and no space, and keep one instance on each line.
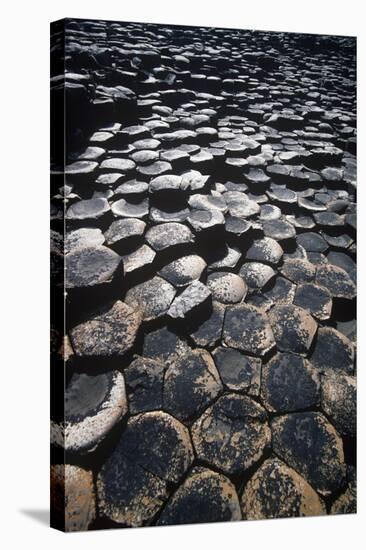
(184,271)
(227,288)
(336,280)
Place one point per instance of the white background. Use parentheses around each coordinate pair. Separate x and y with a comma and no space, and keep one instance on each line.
(24,188)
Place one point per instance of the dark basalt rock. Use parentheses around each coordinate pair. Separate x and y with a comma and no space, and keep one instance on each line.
(153,297)
(224,258)
(141,258)
(256,275)
(282,291)
(338,401)
(238,372)
(81,168)
(93,405)
(312,242)
(85,237)
(205,496)
(232,180)
(336,280)
(279,230)
(124,209)
(227,288)
(164,345)
(162,184)
(194,296)
(124,230)
(247,328)
(282,195)
(333,351)
(289,383)
(309,444)
(184,271)
(265,250)
(277,491)
(144,383)
(118,164)
(129,494)
(315,299)
(87,209)
(298,271)
(346,503)
(207,202)
(190,385)
(232,434)
(158,443)
(293,328)
(144,157)
(108,333)
(236,227)
(193,180)
(204,220)
(157,215)
(157,168)
(270,212)
(132,188)
(78,511)
(167,235)
(89,266)
(345,262)
(240,205)
(109,178)
(209,331)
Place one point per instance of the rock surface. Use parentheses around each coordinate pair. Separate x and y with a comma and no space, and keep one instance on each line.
(277,491)
(232,434)
(207,220)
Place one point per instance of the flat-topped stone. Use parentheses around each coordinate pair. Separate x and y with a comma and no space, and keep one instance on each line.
(293,327)
(194,296)
(308,443)
(190,385)
(232,434)
(167,235)
(90,266)
(153,297)
(247,328)
(123,230)
(277,491)
(289,383)
(109,333)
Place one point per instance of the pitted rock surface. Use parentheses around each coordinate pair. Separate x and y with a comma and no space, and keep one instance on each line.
(293,328)
(247,328)
(277,491)
(207,220)
(205,496)
(289,383)
(232,434)
(309,444)
(112,332)
(190,385)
